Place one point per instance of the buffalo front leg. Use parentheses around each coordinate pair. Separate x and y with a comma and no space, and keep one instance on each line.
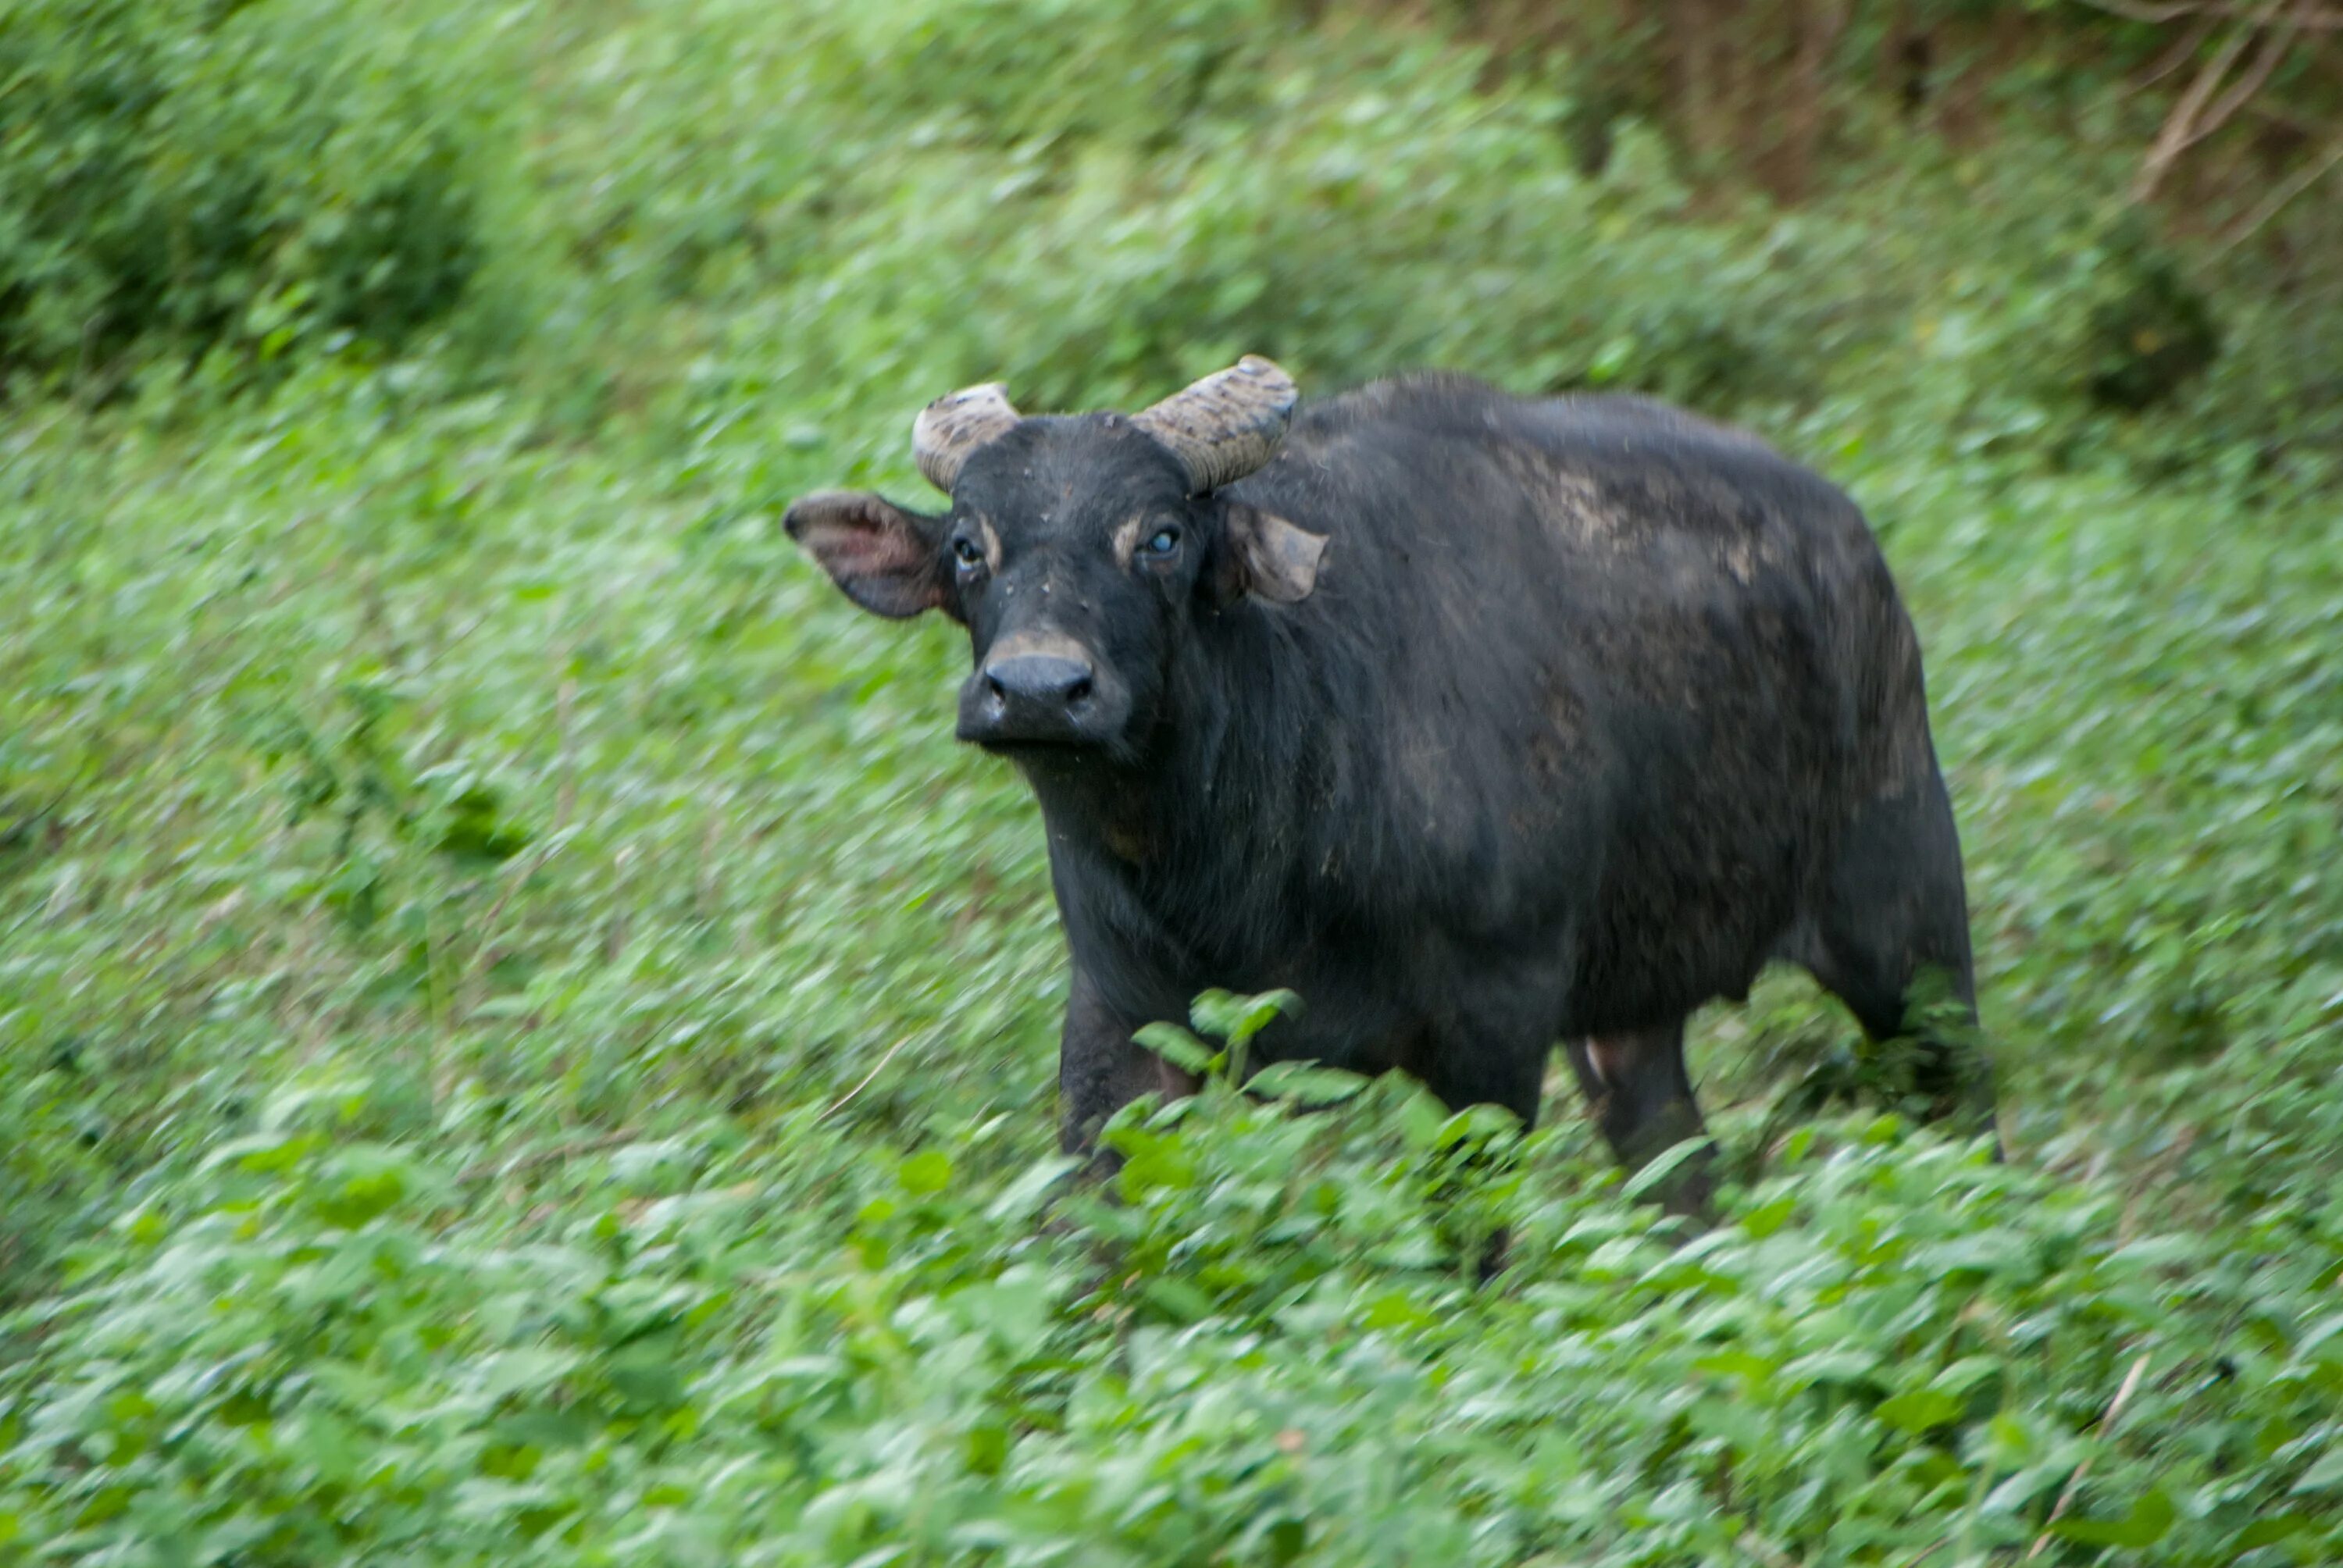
(1641,1098)
(1101,1070)
(1500,1062)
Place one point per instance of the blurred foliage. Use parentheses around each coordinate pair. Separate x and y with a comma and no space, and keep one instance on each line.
(784,1351)
(179,175)
(525,1040)
(1773,91)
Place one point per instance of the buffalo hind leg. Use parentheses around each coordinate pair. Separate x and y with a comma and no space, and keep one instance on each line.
(1640,1095)
(1892,943)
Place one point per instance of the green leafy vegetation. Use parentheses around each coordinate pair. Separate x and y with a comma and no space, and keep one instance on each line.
(525,1041)
(188,176)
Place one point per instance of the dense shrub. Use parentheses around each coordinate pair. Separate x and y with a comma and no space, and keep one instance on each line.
(2105,318)
(322,1347)
(180,175)
(2150,334)
(1003,71)
(892,206)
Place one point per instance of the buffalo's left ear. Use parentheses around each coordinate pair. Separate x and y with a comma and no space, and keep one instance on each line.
(1263,555)
(888,560)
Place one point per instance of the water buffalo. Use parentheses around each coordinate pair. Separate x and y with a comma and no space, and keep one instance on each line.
(1480,722)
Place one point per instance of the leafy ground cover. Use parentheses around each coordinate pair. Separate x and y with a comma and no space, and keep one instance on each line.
(525,1041)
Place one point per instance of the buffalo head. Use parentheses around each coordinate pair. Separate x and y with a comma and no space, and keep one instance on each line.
(1078,551)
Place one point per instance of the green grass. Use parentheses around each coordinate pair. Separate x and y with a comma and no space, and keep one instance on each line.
(526,1042)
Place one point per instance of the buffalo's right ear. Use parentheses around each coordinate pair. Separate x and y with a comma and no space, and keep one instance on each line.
(890,561)
(1265,556)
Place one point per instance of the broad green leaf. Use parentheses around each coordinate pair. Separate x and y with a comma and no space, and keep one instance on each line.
(1177,1046)
(1305,1084)
(1920,1410)
(1655,1173)
(2143,1526)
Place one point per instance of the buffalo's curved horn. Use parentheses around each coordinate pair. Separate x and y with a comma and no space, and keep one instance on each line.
(1227,425)
(949,429)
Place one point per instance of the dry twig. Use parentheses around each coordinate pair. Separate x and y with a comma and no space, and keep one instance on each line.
(2207,105)
(2275,49)
(2157,15)
(2182,120)
(842,1102)
(2075,1482)
(2182,50)
(2301,182)
(482,1170)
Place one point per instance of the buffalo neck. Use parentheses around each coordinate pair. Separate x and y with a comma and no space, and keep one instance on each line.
(1209,815)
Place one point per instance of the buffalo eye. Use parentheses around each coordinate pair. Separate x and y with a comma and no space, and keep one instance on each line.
(966,551)
(1162,545)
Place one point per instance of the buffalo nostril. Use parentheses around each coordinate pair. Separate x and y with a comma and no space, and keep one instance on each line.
(1038,680)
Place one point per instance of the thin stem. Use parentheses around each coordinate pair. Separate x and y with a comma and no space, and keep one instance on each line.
(2286,193)
(2075,1482)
